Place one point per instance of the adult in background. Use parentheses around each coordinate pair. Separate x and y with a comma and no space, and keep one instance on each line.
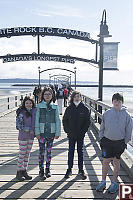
(76,121)
(39,93)
(54,96)
(65,96)
(35,93)
(60,97)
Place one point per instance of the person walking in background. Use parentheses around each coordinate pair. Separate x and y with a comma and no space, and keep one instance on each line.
(76,121)
(47,128)
(60,97)
(35,93)
(65,96)
(39,93)
(54,96)
(25,123)
(69,89)
(115,133)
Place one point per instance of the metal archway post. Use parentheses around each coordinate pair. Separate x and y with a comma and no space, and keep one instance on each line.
(103,33)
(39,76)
(75,76)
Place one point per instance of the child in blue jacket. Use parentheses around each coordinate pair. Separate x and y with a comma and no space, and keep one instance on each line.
(47,128)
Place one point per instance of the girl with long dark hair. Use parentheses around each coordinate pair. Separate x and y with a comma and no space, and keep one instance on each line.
(25,123)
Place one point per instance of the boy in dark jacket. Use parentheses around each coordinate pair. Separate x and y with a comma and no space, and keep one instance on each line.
(76,121)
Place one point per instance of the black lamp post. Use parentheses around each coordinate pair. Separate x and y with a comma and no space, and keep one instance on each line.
(75,76)
(39,74)
(103,33)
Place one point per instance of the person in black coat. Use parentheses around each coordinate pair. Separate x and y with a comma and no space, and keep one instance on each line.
(76,121)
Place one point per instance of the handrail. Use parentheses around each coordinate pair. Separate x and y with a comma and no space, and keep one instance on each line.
(93,105)
(12,101)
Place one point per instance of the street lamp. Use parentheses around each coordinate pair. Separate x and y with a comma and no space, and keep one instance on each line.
(75,76)
(39,68)
(103,33)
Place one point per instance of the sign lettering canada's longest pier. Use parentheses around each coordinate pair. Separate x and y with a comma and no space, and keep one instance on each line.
(38,57)
(44,31)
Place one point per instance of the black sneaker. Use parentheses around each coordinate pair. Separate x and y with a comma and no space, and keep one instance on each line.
(42,175)
(68,173)
(82,174)
(19,176)
(25,174)
(47,172)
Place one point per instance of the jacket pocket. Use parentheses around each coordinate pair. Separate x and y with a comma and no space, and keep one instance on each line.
(53,128)
(42,125)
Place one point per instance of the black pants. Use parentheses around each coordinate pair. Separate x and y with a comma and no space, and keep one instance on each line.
(65,101)
(80,144)
(36,99)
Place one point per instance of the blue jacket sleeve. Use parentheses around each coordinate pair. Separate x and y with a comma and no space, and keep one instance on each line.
(37,125)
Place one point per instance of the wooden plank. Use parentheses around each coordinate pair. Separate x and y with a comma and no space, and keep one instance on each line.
(61,194)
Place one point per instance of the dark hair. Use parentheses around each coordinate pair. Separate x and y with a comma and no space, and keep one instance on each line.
(23,106)
(45,90)
(118,96)
(73,95)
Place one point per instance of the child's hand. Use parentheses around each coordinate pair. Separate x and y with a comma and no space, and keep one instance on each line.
(32,132)
(56,137)
(38,137)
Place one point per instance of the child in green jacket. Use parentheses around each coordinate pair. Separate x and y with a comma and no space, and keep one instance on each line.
(47,128)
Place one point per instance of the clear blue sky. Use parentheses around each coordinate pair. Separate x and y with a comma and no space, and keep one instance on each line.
(84,15)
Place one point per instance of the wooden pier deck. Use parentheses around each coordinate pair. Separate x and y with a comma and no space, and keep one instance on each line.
(55,187)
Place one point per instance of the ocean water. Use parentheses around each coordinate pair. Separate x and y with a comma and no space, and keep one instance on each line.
(8,89)
(108,93)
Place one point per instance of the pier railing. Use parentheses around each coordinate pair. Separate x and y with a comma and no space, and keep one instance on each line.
(93,105)
(8,103)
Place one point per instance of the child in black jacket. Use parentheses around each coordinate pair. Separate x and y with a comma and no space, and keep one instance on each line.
(76,121)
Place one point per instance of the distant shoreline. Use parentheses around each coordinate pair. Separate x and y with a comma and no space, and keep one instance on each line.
(79,85)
